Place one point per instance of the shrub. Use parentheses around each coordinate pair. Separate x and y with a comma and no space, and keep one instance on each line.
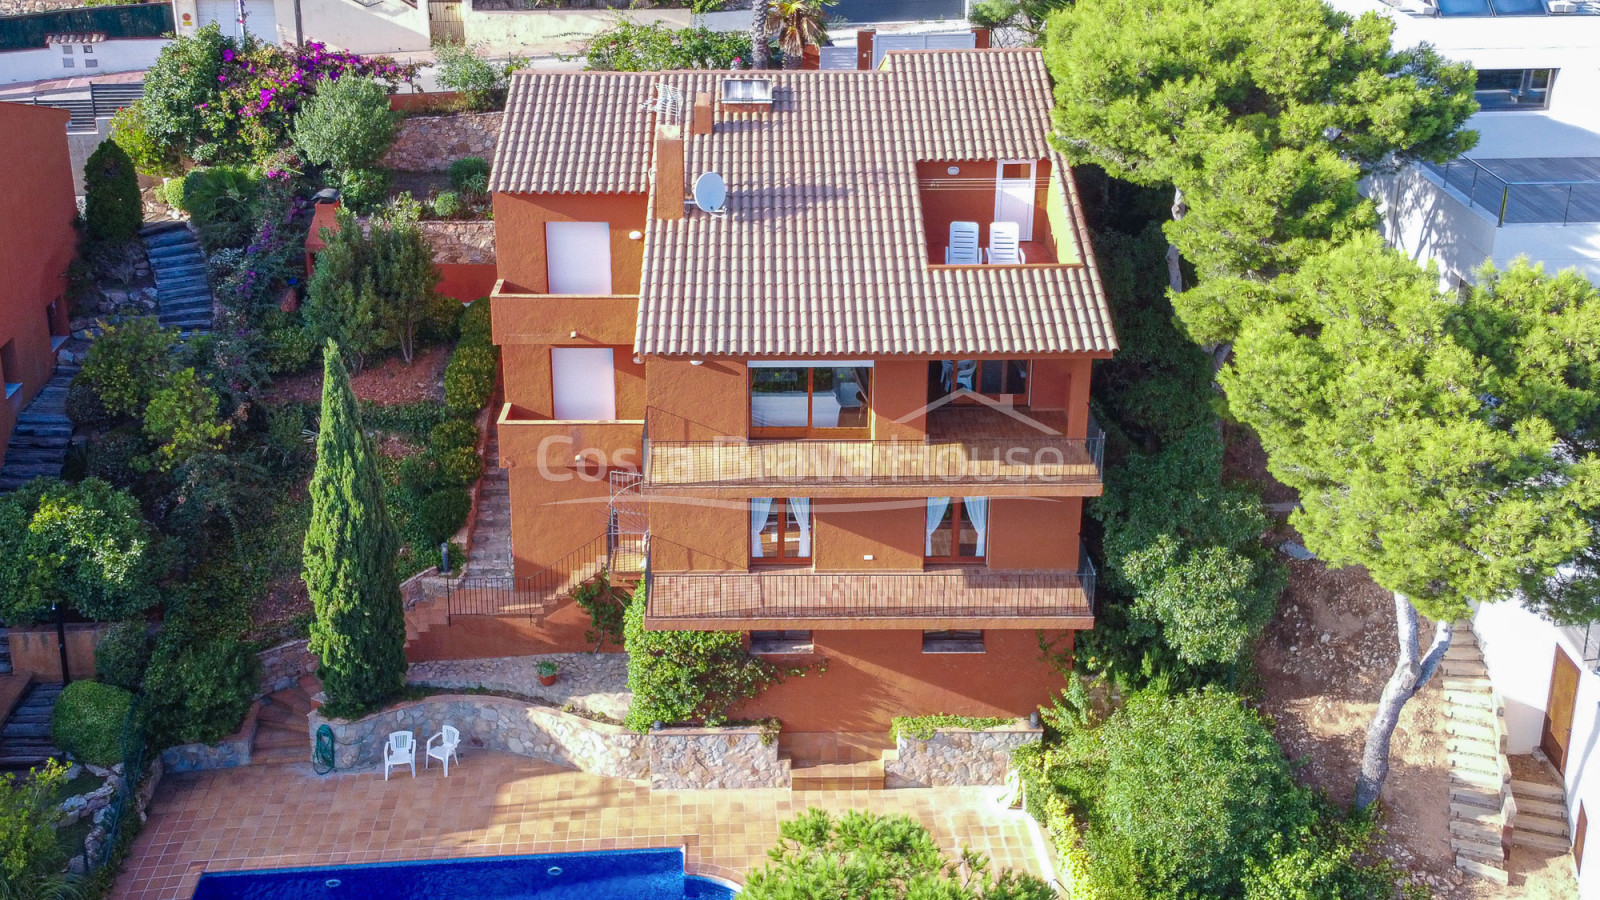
(480,83)
(414,420)
(198,688)
(438,516)
(470,174)
(362,190)
(687,677)
(347,125)
(88,721)
(290,346)
(452,435)
(112,207)
(148,154)
(376,291)
(629,47)
(112,456)
(85,545)
(475,326)
(469,378)
(31,857)
(182,419)
(223,202)
(459,466)
(126,363)
(84,407)
(122,654)
(447,205)
(172,191)
(286,435)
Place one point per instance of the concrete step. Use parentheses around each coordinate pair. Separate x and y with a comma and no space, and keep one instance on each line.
(858,776)
(276,715)
(281,737)
(1471,699)
(1483,870)
(1490,781)
(1472,730)
(1463,668)
(1540,824)
(1471,747)
(1493,854)
(1479,800)
(1523,838)
(1528,806)
(280,756)
(1534,791)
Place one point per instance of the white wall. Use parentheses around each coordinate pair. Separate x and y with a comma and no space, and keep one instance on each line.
(1519,650)
(537,32)
(124,55)
(390,26)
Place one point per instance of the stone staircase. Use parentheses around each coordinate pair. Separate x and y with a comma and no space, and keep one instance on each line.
(1480,774)
(38,445)
(282,731)
(183,293)
(490,553)
(25,738)
(835,762)
(1539,820)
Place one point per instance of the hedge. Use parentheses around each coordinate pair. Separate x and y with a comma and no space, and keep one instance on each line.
(88,721)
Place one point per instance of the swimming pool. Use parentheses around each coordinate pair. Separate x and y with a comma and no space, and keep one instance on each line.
(597,875)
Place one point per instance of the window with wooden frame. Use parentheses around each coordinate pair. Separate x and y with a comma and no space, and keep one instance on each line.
(780,531)
(952,642)
(831,399)
(957,530)
(1005,380)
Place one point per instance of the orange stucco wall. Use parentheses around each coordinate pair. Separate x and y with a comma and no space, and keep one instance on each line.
(968,196)
(466,281)
(529,380)
(36,212)
(873,676)
(519,221)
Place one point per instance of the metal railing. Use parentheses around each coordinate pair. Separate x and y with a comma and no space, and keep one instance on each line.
(964,593)
(103,100)
(1527,202)
(533,595)
(1006,461)
(135,746)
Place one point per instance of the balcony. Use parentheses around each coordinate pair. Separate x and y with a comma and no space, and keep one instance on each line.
(967,450)
(965,597)
(1532,191)
(522,318)
(558,444)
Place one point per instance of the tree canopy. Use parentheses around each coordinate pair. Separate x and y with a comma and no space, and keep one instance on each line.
(85,545)
(1444,444)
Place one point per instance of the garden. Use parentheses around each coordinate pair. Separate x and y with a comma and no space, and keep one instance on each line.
(183,516)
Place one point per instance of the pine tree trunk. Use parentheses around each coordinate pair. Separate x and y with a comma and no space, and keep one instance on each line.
(1410,674)
(758,34)
(1174,259)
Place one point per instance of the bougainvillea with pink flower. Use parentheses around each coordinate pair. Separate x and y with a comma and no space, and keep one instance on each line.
(215,99)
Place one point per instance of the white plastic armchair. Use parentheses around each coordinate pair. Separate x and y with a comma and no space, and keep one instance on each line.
(1005,244)
(401,750)
(442,747)
(963,249)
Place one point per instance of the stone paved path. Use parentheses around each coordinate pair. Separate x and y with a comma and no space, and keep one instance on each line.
(597,682)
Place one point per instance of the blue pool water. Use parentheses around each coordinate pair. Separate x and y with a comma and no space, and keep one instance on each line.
(599,875)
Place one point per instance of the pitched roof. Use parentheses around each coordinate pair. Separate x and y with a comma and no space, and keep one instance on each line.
(822,251)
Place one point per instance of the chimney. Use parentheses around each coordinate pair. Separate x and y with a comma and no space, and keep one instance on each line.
(703,113)
(811,58)
(864,40)
(980,38)
(669,192)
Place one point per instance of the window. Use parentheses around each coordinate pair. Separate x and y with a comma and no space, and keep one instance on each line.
(952,642)
(88,48)
(578,255)
(66,64)
(91,64)
(801,398)
(67,49)
(1514,89)
(584,386)
(997,378)
(780,530)
(57,324)
(1016,170)
(776,642)
(957,529)
(10,369)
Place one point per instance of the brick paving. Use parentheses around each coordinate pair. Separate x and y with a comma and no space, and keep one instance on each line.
(497,804)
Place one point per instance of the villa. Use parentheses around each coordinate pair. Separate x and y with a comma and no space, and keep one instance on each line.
(809,354)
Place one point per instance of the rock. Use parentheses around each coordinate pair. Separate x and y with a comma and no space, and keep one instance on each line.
(73,771)
(96,771)
(1325,638)
(73,806)
(1295,551)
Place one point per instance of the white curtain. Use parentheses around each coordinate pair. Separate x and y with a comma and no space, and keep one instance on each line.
(759,507)
(936,508)
(800,514)
(978,512)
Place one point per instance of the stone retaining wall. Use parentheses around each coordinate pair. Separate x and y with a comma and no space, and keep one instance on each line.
(709,758)
(493,723)
(231,751)
(957,756)
(432,143)
(461,242)
(284,665)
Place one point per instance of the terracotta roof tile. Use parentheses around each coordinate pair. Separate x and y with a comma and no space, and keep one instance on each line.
(822,250)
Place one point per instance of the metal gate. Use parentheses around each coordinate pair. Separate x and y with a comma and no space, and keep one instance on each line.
(444,22)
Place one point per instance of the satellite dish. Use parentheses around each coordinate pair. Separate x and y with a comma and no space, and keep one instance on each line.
(711,193)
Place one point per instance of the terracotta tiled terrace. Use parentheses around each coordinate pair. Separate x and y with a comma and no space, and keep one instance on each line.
(498,804)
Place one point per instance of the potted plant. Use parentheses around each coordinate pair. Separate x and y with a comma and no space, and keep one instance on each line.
(547,672)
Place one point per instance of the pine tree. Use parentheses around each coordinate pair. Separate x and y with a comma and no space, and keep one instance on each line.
(359,631)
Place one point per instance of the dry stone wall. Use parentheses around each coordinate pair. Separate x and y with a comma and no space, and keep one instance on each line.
(284,665)
(432,143)
(701,758)
(957,757)
(461,242)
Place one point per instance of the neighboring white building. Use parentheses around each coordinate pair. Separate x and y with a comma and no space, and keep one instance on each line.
(81,54)
(360,26)
(1532,185)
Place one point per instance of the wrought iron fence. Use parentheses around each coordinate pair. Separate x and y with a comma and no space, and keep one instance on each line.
(135,745)
(103,100)
(1521,202)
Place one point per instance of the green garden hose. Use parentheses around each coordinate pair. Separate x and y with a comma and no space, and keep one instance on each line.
(322,756)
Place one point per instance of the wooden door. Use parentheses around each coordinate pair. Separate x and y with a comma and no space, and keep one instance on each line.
(1578,835)
(444,22)
(1557,733)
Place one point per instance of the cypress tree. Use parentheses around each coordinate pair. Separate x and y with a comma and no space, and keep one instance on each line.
(359,631)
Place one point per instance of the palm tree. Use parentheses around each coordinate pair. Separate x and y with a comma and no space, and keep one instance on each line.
(798,24)
(758,34)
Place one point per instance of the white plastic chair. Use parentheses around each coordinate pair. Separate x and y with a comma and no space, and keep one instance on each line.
(442,747)
(963,249)
(401,750)
(1005,244)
